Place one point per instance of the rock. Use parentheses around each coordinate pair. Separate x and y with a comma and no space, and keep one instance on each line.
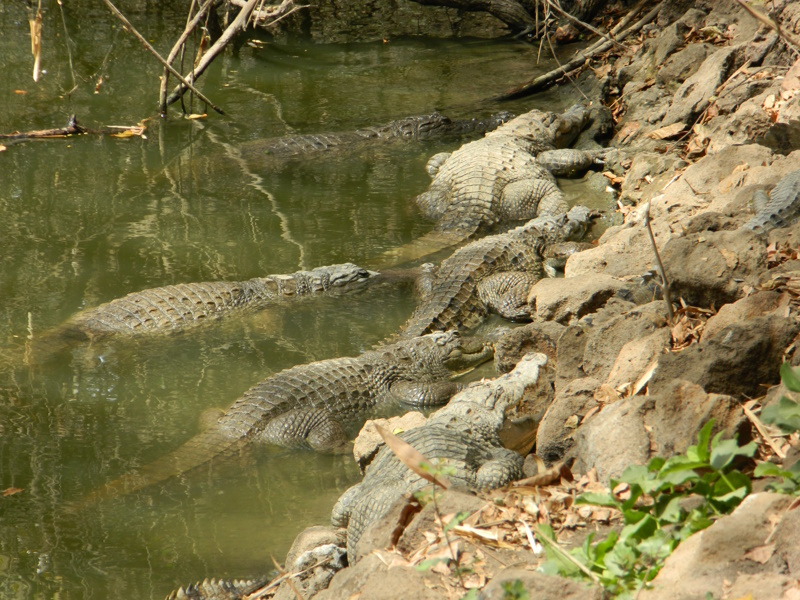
(692,97)
(710,268)
(633,430)
(555,434)
(448,503)
(314,545)
(568,299)
(717,558)
(535,337)
(671,39)
(372,578)
(606,340)
(636,357)
(736,360)
(369,441)
(569,356)
(683,63)
(756,305)
(538,585)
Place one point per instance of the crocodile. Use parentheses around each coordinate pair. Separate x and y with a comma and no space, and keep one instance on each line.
(780,209)
(176,308)
(306,406)
(465,436)
(218,589)
(495,273)
(422,127)
(497,180)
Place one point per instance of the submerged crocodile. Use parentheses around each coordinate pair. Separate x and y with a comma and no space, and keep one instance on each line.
(495,273)
(465,436)
(422,127)
(307,405)
(497,179)
(218,589)
(183,306)
(780,209)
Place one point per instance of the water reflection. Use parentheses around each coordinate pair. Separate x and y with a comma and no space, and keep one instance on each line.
(87,220)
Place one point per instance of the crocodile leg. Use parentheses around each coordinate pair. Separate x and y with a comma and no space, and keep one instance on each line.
(314,427)
(507,293)
(526,198)
(427,394)
(569,161)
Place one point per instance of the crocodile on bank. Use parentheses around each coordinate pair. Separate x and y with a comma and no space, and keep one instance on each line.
(422,127)
(465,435)
(307,405)
(497,179)
(495,273)
(780,209)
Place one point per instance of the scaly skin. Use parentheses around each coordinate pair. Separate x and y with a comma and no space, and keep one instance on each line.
(495,273)
(464,435)
(493,180)
(218,589)
(780,209)
(307,405)
(182,306)
(421,127)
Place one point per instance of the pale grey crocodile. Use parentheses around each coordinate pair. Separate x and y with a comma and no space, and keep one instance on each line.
(422,127)
(780,209)
(498,180)
(308,405)
(183,306)
(218,589)
(464,437)
(495,273)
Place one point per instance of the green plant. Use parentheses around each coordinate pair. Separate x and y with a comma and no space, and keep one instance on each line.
(661,505)
(786,415)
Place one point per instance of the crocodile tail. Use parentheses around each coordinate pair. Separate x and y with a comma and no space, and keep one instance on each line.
(212,444)
(424,246)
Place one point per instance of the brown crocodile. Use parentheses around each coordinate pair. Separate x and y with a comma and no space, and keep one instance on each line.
(307,405)
(495,273)
(497,180)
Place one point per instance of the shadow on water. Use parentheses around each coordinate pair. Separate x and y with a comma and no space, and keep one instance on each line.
(87,220)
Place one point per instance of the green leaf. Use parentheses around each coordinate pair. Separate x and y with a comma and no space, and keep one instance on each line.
(640,530)
(725,451)
(702,441)
(456,520)
(790,378)
(785,414)
(672,512)
(597,500)
(427,564)
(768,469)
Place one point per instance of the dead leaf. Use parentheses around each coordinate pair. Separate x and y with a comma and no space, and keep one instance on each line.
(627,130)
(11,491)
(571,422)
(602,71)
(3,148)
(410,457)
(761,554)
(606,394)
(612,178)
(20,92)
(194,116)
(667,132)
(730,257)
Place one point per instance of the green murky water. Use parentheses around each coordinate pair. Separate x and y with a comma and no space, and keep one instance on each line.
(86,220)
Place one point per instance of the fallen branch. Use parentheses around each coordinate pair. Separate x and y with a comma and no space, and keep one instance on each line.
(237,25)
(544,81)
(73,128)
(153,51)
(510,12)
(563,13)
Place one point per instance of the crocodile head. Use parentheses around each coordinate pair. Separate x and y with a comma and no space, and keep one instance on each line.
(339,276)
(578,221)
(413,128)
(428,353)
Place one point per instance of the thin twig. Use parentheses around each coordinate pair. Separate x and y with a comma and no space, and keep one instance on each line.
(162,94)
(558,9)
(68,43)
(791,40)
(153,51)
(557,547)
(455,555)
(665,288)
(543,81)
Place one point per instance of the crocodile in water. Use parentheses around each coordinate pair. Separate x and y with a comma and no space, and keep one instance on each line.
(464,435)
(497,179)
(780,209)
(218,589)
(307,405)
(434,125)
(495,273)
(182,306)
